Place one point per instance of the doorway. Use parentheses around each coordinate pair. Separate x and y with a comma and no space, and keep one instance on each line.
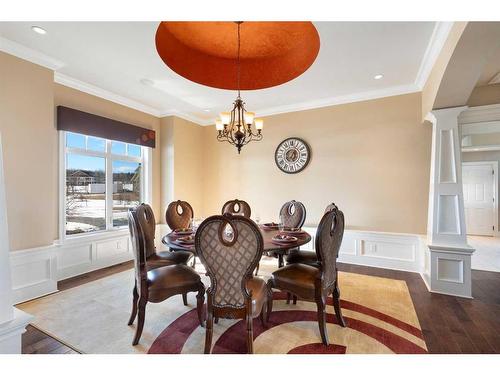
(480,197)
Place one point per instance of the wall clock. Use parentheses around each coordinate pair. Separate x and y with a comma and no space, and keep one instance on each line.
(292,155)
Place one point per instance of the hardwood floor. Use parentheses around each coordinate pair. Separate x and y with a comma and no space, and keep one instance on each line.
(449,324)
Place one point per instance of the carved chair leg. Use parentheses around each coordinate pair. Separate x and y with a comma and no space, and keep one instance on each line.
(135,298)
(140,323)
(294,299)
(185,299)
(336,306)
(280,260)
(200,300)
(320,303)
(263,315)
(269,308)
(216,320)
(288,297)
(209,332)
(257,269)
(193,265)
(249,334)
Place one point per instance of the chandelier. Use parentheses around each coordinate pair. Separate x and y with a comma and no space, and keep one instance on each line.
(235,127)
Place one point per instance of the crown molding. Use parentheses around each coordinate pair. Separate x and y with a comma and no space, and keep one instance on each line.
(29,54)
(337,100)
(436,43)
(186,116)
(104,94)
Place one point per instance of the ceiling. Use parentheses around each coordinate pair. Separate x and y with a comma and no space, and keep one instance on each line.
(490,70)
(114,59)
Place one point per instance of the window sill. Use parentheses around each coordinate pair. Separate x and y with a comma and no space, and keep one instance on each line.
(92,237)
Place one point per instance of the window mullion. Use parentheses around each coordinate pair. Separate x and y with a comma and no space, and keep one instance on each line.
(109,187)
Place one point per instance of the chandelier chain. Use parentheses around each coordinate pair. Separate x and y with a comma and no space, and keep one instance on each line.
(239,64)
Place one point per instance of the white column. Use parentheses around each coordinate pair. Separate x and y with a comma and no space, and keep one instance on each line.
(12,320)
(448,262)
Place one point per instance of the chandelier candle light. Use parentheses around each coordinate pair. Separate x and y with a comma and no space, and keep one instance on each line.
(235,127)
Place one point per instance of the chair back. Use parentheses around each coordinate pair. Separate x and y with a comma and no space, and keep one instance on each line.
(230,248)
(293,214)
(138,248)
(179,214)
(237,207)
(328,240)
(146,219)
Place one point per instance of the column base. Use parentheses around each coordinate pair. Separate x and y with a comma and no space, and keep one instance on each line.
(11,332)
(449,271)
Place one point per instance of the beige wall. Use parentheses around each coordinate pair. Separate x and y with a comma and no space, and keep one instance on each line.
(72,98)
(431,87)
(371,158)
(30,152)
(182,159)
(28,96)
(484,95)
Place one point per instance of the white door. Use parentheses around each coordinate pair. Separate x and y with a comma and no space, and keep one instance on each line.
(479,202)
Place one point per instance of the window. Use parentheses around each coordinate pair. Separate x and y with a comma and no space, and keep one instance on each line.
(103,179)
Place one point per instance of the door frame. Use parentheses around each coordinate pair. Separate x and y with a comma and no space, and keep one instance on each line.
(494,165)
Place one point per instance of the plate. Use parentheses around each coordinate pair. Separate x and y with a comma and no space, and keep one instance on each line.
(183,231)
(283,238)
(270,226)
(187,240)
(294,231)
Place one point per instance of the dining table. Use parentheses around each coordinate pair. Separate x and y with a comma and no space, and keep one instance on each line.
(270,246)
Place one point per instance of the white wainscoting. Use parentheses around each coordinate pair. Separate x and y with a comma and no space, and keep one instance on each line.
(379,249)
(35,272)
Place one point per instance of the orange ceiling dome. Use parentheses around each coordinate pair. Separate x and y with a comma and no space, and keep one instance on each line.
(272,53)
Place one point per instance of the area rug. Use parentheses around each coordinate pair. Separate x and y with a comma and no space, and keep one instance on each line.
(92,318)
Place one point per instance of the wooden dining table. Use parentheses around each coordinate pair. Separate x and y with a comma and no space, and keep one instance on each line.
(279,249)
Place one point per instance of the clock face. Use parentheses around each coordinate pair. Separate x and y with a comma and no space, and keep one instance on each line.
(292,155)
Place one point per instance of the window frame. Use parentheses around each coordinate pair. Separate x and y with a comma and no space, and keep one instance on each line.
(109,158)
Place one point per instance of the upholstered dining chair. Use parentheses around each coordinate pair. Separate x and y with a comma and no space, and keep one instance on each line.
(292,215)
(154,258)
(237,207)
(159,283)
(304,256)
(230,247)
(316,283)
(179,214)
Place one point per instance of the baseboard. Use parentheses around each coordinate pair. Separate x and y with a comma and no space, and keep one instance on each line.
(35,272)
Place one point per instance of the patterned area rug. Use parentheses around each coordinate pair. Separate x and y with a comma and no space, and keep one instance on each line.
(92,318)
(293,329)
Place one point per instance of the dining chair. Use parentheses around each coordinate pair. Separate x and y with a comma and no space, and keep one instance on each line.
(158,283)
(179,215)
(316,283)
(154,258)
(237,207)
(304,256)
(230,247)
(293,215)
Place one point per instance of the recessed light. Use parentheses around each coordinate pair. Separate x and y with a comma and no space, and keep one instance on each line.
(207,110)
(39,30)
(147,82)
(378,76)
